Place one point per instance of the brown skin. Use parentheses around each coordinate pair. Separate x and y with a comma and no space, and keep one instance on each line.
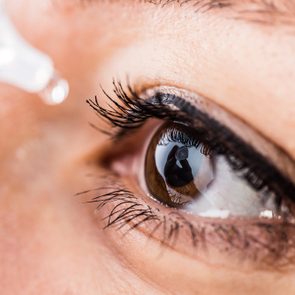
(50,242)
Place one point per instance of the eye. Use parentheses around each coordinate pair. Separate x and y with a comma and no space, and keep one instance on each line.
(181,171)
(185,169)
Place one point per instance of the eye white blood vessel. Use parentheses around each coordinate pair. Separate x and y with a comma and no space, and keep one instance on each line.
(27,68)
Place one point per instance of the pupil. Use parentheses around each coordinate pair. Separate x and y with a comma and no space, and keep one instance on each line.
(177,170)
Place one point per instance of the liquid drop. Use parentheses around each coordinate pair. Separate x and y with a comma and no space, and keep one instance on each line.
(56,91)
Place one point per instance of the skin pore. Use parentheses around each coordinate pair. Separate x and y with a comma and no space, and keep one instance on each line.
(52,243)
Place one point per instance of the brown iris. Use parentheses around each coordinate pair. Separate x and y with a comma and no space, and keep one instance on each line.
(178,168)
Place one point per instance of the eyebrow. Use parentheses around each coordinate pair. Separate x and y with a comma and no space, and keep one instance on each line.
(265,12)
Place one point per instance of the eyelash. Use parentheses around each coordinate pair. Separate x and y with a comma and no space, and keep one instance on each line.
(125,208)
(131,113)
(134,111)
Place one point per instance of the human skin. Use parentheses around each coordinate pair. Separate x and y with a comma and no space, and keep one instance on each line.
(53,243)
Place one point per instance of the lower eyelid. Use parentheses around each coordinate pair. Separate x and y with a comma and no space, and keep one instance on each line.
(232,243)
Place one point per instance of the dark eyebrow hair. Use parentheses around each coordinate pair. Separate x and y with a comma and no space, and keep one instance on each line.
(268,12)
(265,12)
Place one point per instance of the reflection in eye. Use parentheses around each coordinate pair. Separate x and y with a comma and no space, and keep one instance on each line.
(177,167)
(191,163)
(182,172)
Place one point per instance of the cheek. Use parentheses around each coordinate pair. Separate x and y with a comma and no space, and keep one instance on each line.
(18,121)
(41,250)
(51,245)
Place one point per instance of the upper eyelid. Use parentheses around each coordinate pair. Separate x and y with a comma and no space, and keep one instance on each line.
(249,134)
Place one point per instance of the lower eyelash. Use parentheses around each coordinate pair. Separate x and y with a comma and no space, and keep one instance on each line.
(124,208)
(264,244)
(127,210)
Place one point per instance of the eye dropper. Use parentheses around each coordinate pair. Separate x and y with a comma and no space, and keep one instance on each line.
(27,68)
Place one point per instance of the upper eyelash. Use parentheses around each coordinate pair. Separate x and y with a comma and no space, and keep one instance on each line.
(131,112)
